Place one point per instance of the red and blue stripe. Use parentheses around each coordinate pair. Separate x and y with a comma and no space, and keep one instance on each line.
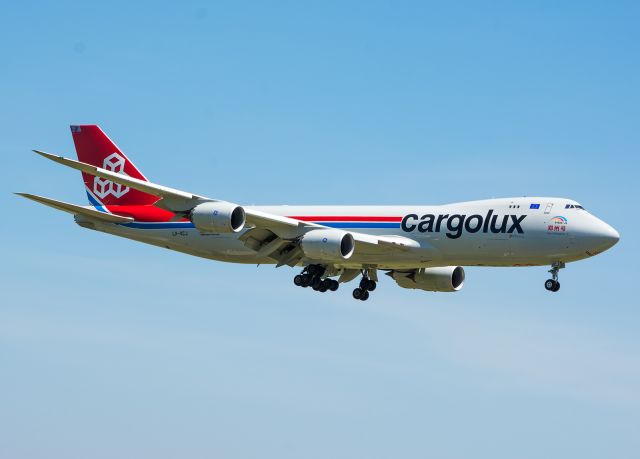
(151,217)
(341,221)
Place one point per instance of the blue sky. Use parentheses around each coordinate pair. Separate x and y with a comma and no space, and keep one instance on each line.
(109,348)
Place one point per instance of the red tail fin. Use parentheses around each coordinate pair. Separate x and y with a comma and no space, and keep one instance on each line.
(95,148)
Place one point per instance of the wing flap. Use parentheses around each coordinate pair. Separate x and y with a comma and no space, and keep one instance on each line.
(75,209)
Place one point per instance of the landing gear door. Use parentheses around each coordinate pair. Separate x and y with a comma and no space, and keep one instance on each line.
(547,209)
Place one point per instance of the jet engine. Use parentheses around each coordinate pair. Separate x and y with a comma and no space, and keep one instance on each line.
(218,217)
(442,279)
(329,245)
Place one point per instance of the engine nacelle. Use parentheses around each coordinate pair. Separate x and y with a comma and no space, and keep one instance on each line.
(218,217)
(444,279)
(329,244)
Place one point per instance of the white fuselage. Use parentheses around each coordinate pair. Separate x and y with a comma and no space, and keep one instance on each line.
(493,232)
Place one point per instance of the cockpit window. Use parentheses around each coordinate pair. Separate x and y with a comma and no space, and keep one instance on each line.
(573,206)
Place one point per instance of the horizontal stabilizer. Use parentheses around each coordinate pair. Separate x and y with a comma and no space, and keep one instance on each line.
(76,210)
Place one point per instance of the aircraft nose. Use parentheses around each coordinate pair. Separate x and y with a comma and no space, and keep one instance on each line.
(606,235)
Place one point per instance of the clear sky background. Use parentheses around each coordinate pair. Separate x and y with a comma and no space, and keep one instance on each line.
(109,348)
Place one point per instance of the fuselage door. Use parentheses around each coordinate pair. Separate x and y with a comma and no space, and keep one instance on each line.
(548,208)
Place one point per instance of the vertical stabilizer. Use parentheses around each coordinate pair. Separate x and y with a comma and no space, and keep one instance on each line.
(95,148)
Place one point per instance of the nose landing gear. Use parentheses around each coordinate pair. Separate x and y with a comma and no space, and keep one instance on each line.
(552,284)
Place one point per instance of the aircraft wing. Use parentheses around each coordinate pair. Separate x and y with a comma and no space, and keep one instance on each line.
(172,199)
(178,201)
(76,210)
(284,228)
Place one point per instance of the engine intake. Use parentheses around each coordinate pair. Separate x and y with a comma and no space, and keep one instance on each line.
(329,245)
(218,217)
(441,279)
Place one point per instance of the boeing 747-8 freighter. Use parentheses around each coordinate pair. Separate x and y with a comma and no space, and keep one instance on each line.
(420,247)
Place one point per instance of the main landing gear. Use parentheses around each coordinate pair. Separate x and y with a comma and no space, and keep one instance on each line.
(311,276)
(552,284)
(366,285)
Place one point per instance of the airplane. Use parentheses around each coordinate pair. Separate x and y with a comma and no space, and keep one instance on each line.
(419,247)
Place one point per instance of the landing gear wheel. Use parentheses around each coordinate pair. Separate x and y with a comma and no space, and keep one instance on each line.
(552,284)
(298,280)
(306,280)
(324,286)
(367,284)
(333,285)
(358,292)
(315,283)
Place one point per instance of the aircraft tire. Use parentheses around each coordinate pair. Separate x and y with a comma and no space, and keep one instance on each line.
(316,282)
(306,280)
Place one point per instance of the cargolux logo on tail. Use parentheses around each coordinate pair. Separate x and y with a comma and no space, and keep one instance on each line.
(102,187)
